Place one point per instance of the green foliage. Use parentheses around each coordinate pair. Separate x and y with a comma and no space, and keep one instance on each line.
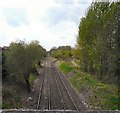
(3,66)
(0,104)
(99,96)
(7,105)
(12,99)
(80,81)
(32,78)
(23,57)
(112,102)
(97,41)
(66,68)
(102,96)
(62,52)
(76,53)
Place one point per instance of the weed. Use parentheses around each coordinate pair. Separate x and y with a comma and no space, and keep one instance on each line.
(32,78)
(102,96)
(66,68)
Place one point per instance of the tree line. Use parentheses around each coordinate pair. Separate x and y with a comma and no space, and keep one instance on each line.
(98,39)
(21,59)
(97,42)
(62,52)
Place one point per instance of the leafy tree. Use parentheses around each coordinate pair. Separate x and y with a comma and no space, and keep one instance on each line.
(62,52)
(97,41)
(22,58)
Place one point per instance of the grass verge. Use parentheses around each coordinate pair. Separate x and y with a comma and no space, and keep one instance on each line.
(66,67)
(98,95)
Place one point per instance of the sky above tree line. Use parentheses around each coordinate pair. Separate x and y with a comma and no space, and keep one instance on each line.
(51,22)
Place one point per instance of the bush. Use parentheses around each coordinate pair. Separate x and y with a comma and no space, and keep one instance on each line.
(66,68)
(32,78)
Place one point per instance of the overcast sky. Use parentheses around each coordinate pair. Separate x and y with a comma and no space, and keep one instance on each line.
(51,22)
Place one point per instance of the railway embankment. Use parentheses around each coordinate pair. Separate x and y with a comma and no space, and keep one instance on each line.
(96,94)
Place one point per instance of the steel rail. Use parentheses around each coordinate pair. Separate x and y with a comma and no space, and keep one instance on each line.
(86,106)
(66,89)
(40,92)
(59,90)
(49,93)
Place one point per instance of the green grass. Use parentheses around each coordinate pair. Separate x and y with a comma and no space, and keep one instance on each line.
(7,105)
(32,78)
(101,96)
(66,67)
(12,99)
(112,101)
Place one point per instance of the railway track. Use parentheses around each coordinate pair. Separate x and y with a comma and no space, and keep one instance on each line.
(54,93)
(79,103)
(59,91)
(44,93)
(49,94)
(40,93)
(68,95)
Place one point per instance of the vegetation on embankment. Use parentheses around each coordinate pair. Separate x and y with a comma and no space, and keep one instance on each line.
(97,51)
(66,68)
(13,91)
(62,52)
(20,62)
(97,46)
(97,95)
(32,78)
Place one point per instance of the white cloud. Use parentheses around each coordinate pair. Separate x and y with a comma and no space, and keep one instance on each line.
(27,4)
(35,20)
